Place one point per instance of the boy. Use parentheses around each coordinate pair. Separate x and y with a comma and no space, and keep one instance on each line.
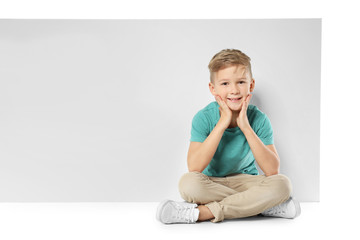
(227,137)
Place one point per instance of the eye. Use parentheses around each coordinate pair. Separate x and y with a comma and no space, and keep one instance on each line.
(223,83)
(241,82)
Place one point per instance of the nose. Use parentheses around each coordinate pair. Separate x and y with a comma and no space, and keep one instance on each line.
(235,89)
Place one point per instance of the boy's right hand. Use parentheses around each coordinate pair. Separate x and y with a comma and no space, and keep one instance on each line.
(225,113)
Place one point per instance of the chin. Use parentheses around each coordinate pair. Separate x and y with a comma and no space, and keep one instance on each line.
(233,108)
(236,109)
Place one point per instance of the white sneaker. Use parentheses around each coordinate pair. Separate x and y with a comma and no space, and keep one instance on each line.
(289,209)
(170,211)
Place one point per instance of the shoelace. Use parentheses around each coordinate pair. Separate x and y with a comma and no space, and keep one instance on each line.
(184,213)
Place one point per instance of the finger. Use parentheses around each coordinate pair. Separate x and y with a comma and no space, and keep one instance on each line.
(217,99)
(244,106)
(248,98)
(221,102)
(225,105)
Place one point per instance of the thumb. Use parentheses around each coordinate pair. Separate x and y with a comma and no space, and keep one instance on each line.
(243,106)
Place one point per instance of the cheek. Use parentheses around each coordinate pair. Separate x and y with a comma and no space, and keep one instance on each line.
(220,92)
(245,89)
(223,96)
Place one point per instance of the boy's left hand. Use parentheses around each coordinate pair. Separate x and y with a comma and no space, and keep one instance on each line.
(242,120)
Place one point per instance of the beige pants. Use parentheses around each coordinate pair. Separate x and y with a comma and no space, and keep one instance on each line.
(235,196)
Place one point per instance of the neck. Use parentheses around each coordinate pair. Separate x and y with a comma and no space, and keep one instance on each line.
(233,120)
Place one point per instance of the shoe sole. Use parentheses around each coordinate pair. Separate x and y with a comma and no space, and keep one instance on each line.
(160,209)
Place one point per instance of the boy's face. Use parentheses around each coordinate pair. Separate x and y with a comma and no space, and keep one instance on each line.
(233,84)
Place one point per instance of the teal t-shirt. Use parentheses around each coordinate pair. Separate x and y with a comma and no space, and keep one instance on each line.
(233,154)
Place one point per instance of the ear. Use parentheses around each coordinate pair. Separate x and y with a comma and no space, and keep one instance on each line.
(212,89)
(252,85)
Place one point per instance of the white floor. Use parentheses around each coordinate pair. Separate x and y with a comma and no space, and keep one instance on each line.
(137,220)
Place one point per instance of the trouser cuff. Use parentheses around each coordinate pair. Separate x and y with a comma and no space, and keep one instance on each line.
(216,210)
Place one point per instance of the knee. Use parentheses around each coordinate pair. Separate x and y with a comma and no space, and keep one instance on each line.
(282,186)
(191,186)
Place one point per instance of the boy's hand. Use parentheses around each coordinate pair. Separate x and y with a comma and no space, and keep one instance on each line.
(225,113)
(242,120)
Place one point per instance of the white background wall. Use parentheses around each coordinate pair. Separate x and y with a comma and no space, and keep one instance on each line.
(101,110)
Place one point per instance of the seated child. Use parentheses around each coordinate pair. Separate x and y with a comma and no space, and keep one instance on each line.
(227,137)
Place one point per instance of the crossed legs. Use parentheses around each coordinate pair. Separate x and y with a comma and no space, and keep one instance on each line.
(237,196)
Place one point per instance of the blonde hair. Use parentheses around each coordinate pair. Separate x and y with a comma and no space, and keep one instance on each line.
(226,58)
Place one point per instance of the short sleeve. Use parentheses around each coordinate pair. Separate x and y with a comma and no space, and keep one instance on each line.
(264,130)
(200,129)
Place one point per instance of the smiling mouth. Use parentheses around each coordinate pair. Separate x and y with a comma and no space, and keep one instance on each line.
(234,99)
